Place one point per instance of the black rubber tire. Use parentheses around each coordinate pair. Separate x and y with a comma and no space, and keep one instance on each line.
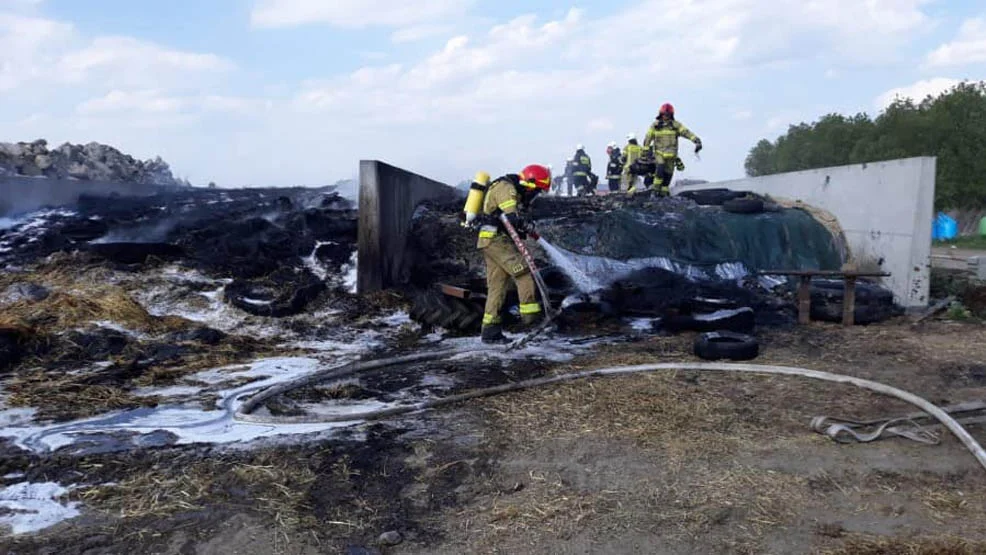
(740,320)
(711,304)
(718,345)
(434,308)
(291,301)
(711,197)
(743,206)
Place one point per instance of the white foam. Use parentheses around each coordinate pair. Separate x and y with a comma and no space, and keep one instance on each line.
(397,319)
(312,263)
(722,314)
(578,275)
(591,273)
(16,416)
(642,324)
(190,423)
(169,391)
(33,507)
(349,273)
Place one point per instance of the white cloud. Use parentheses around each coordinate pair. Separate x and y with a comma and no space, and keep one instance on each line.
(526,90)
(420,32)
(916,91)
(132,61)
(29,47)
(969,46)
(353,13)
(49,52)
(154,101)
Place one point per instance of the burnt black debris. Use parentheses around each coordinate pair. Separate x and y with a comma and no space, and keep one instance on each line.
(712,249)
(241,233)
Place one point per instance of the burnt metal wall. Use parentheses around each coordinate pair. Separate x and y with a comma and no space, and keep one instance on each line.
(388,197)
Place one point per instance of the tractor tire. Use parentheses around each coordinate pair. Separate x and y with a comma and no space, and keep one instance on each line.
(434,308)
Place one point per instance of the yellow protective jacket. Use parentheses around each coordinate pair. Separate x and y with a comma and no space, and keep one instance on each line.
(631,153)
(501,196)
(662,137)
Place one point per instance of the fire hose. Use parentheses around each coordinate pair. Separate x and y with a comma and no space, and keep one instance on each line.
(244,412)
(538,280)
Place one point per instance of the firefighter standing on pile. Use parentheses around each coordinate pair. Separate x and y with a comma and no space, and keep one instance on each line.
(631,154)
(505,195)
(662,140)
(614,169)
(580,171)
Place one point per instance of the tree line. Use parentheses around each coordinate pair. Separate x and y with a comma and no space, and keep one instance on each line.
(951,126)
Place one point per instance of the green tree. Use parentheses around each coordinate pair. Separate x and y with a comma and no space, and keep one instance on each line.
(951,126)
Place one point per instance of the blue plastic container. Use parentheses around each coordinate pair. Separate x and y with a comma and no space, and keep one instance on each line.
(944,228)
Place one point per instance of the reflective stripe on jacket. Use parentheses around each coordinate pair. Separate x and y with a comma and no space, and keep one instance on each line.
(662,137)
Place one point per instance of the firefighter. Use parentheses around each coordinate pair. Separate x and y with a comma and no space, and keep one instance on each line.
(569,175)
(662,140)
(614,169)
(631,154)
(581,170)
(504,262)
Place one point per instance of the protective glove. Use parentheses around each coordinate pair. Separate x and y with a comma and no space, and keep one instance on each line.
(698,145)
(679,164)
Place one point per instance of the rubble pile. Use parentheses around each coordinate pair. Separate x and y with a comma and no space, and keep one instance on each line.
(673,259)
(270,244)
(89,162)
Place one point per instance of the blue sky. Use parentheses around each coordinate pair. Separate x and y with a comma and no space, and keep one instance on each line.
(286,92)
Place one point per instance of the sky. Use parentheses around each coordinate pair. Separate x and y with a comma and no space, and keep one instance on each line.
(296,92)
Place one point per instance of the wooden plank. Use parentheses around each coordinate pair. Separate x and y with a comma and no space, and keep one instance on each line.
(849,302)
(453,291)
(934,309)
(804,300)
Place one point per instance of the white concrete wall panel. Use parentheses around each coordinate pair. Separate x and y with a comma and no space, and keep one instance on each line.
(885,208)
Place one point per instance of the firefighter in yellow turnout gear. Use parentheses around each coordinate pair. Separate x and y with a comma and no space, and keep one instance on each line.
(631,154)
(662,140)
(506,195)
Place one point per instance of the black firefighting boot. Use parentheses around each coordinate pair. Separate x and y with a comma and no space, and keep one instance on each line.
(493,334)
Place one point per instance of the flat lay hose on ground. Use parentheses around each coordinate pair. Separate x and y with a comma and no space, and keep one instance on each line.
(351,369)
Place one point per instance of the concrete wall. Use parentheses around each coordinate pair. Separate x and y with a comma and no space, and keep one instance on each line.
(885,208)
(388,197)
(23,194)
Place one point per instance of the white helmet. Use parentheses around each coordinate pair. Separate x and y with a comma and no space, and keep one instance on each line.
(580,146)
(631,136)
(612,144)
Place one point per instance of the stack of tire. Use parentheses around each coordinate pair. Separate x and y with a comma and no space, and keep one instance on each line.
(873,303)
(736,202)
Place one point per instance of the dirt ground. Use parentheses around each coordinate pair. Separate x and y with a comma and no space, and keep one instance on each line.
(670,462)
